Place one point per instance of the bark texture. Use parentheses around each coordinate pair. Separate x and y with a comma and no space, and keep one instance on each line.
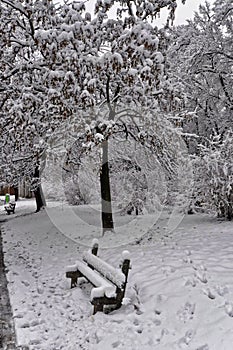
(107,218)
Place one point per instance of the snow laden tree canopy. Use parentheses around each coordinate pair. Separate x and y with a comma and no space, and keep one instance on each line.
(64,69)
(100,61)
(141,10)
(201,63)
(26,116)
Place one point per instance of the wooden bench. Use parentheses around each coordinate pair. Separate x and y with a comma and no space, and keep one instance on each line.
(109,282)
(10,208)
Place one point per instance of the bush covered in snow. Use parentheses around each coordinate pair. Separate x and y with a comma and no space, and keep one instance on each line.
(215,174)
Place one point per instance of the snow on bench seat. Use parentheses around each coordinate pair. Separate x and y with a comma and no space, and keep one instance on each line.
(108,271)
(71,268)
(103,287)
(109,282)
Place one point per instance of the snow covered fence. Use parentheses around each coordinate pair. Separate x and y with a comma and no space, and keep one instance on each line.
(109,282)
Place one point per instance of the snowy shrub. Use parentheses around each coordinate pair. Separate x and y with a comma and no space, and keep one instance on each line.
(215,174)
(72,192)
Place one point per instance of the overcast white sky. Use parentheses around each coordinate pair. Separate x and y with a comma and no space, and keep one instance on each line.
(183,11)
(186,11)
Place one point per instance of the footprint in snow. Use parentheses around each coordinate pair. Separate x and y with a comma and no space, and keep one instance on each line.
(35,323)
(201,276)
(200,267)
(34,341)
(209,293)
(188,252)
(18,315)
(229,308)
(163,332)
(136,322)
(222,290)
(190,282)
(138,311)
(186,312)
(187,260)
(155,318)
(186,339)
(116,344)
(26,283)
(157,312)
(157,322)
(203,347)
(25,325)
(167,270)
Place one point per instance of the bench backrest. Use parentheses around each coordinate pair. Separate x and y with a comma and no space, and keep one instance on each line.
(116,276)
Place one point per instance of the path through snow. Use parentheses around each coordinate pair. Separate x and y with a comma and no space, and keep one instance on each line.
(179,296)
(7,334)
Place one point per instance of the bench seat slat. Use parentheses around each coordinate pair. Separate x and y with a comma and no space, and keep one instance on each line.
(106,287)
(109,272)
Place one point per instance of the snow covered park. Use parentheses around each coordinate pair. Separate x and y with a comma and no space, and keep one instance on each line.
(179,294)
(116,127)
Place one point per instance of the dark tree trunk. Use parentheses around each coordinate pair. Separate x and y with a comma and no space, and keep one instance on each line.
(38,192)
(230,205)
(40,201)
(16,190)
(107,218)
(226,211)
(230,213)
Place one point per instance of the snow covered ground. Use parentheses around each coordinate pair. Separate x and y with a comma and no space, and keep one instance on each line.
(179,295)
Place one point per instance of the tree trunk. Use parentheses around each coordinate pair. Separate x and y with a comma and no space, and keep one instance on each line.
(40,200)
(38,192)
(230,212)
(16,190)
(107,218)
(230,204)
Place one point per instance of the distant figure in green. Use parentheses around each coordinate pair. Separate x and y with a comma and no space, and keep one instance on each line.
(7,198)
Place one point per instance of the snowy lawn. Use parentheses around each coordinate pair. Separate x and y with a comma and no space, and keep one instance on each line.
(179,295)
(23,207)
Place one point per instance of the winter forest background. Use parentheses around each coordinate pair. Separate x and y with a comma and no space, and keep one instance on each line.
(113,110)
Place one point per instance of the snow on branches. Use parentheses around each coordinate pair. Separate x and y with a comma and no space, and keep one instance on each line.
(60,66)
(131,11)
(215,167)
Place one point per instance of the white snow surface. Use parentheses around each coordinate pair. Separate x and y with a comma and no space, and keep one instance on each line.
(72,268)
(97,292)
(106,287)
(108,271)
(179,293)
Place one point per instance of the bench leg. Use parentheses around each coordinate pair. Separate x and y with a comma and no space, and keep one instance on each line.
(74,282)
(98,307)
